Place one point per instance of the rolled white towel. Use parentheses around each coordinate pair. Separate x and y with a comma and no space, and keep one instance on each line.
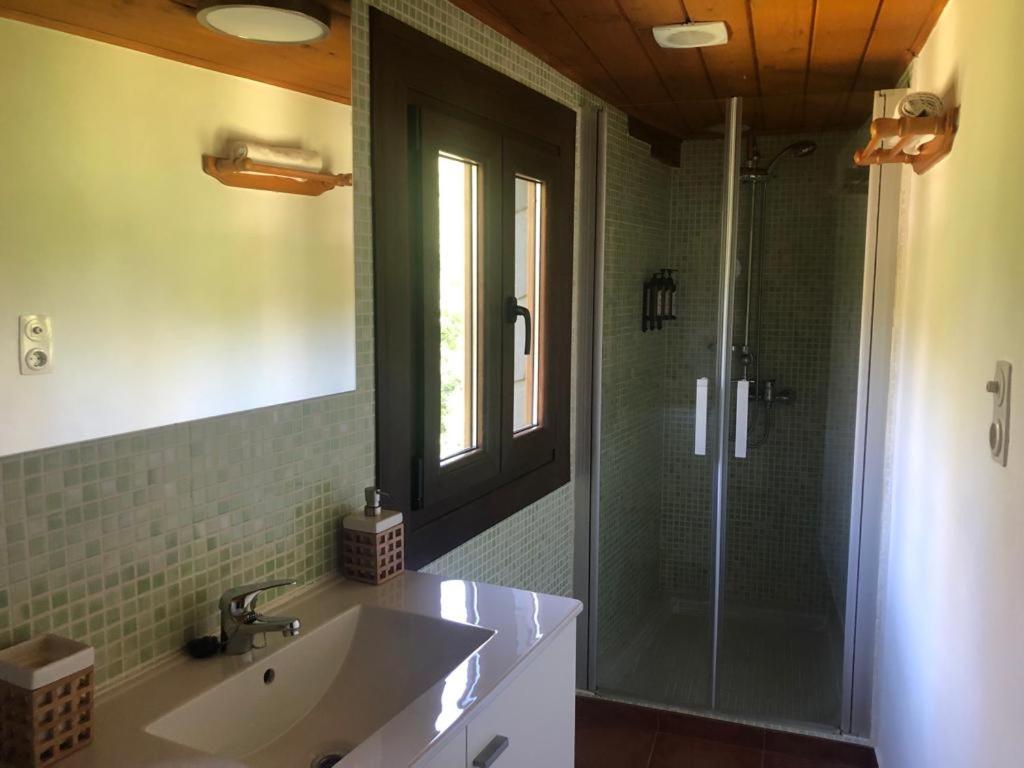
(280,157)
(918,104)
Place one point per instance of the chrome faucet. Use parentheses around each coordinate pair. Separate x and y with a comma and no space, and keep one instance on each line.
(240,622)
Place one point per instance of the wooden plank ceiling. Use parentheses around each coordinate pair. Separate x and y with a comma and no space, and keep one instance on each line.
(801,65)
(168,28)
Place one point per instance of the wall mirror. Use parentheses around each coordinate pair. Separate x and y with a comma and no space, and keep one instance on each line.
(156,294)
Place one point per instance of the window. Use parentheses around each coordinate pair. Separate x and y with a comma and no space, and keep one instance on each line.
(473,198)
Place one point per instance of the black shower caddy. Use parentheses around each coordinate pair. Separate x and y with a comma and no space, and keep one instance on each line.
(659,300)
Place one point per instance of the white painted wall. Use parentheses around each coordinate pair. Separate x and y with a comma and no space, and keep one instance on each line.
(950,687)
(173,297)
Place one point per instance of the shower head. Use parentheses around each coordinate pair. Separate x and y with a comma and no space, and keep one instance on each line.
(796,149)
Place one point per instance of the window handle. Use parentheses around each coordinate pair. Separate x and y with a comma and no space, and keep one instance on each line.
(512,312)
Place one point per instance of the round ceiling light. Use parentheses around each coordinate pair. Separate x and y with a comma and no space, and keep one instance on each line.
(267,21)
(691,34)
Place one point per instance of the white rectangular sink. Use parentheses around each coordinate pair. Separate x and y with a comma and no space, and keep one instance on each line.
(324,692)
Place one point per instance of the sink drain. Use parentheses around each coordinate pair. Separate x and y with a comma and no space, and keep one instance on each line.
(329,760)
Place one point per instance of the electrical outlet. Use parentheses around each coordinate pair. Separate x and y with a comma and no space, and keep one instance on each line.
(35,344)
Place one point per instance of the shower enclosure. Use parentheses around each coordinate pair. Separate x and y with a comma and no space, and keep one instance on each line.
(726,457)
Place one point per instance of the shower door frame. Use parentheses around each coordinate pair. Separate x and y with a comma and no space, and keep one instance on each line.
(723,376)
(881,244)
(881,249)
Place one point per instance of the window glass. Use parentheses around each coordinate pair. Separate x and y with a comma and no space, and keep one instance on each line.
(459,314)
(529,244)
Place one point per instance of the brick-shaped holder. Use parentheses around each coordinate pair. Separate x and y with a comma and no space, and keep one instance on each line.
(46,701)
(373,548)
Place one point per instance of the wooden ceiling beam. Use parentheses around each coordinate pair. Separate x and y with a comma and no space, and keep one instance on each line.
(664,145)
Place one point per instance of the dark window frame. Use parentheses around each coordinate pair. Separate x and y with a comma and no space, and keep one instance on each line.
(411,75)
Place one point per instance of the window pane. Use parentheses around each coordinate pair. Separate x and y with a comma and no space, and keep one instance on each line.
(529,252)
(458,313)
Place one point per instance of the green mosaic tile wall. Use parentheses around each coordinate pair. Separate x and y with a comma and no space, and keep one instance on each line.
(127,542)
(788,515)
(632,366)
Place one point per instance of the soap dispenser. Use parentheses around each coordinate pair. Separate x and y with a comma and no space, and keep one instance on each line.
(373,542)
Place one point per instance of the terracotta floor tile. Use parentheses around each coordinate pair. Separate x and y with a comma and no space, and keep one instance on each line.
(823,749)
(778,760)
(674,751)
(610,735)
(707,728)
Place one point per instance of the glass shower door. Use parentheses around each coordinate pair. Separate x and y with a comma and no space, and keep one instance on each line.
(792,354)
(659,444)
(726,448)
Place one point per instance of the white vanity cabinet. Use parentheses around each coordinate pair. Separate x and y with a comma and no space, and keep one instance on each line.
(534,710)
(452,755)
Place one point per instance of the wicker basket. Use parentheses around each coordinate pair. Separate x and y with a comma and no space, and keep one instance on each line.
(46,700)
(373,552)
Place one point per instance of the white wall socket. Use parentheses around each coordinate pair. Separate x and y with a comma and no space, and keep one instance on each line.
(35,344)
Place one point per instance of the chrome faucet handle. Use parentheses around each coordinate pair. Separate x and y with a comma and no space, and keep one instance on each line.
(242,599)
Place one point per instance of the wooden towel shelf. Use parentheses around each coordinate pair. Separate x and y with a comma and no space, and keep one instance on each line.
(904,130)
(242,172)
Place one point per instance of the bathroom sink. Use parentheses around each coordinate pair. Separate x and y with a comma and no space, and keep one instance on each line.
(322,693)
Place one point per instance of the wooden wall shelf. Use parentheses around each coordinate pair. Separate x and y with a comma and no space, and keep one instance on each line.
(903,130)
(244,173)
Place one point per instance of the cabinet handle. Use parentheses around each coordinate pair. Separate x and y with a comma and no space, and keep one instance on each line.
(491,752)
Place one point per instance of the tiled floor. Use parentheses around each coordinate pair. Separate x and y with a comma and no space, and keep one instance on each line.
(613,735)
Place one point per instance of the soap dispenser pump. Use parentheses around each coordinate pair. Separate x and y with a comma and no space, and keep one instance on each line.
(373,543)
(372,508)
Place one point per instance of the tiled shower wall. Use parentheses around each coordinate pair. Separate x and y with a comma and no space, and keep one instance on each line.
(837,480)
(788,502)
(689,354)
(637,217)
(127,542)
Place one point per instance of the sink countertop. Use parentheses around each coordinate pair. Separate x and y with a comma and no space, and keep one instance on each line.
(520,621)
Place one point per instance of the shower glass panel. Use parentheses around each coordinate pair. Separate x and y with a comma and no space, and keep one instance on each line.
(761,635)
(655,614)
(796,342)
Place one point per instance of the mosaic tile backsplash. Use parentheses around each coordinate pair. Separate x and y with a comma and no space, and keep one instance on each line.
(128,542)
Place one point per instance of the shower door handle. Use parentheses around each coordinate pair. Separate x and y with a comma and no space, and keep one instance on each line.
(700,421)
(742,407)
